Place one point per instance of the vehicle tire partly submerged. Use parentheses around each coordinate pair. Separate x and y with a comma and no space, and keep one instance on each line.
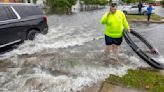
(31,34)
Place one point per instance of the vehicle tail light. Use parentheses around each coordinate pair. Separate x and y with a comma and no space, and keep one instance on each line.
(45,18)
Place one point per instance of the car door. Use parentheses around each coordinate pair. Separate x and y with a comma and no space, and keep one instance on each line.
(134,10)
(31,18)
(8,33)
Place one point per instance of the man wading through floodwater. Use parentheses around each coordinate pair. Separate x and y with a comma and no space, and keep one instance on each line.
(115,21)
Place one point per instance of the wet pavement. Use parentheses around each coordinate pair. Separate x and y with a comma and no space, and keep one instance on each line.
(70,57)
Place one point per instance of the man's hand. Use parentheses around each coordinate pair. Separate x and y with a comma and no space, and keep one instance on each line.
(129,30)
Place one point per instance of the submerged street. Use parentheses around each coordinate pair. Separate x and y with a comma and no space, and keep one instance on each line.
(71,56)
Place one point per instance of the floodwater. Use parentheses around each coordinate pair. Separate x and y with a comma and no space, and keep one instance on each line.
(70,57)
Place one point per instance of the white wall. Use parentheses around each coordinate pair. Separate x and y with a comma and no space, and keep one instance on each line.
(76,7)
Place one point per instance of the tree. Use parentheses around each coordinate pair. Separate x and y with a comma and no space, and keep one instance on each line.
(110,1)
(162,2)
(34,1)
(99,2)
(60,6)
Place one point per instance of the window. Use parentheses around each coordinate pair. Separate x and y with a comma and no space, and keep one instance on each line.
(26,11)
(6,13)
(134,6)
(3,14)
(11,13)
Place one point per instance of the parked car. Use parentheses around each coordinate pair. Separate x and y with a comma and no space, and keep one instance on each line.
(133,9)
(19,22)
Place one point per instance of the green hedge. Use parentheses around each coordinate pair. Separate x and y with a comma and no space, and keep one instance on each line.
(99,2)
(60,6)
(34,1)
(162,2)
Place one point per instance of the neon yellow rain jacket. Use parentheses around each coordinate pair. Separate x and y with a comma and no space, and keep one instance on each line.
(115,23)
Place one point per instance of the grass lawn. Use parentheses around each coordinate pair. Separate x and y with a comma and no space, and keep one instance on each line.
(146,80)
(144,17)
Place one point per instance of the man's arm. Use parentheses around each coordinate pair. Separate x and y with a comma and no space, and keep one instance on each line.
(125,23)
(104,19)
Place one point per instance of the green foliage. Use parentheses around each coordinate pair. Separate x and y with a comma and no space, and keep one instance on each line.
(127,1)
(162,2)
(103,2)
(34,1)
(110,1)
(150,1)
(152,81)
(60,6)
(99,2)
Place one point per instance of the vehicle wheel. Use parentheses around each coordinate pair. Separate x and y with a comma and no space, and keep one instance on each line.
(31,34)
(125,12)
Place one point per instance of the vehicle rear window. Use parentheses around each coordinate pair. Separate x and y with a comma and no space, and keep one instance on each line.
(6,13)
(134,6)
(26,11)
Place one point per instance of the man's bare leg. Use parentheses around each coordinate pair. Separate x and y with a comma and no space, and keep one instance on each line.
(116,49)
(108,49)
(115,52)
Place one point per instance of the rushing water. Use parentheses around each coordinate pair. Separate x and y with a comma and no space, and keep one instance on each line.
(70,57)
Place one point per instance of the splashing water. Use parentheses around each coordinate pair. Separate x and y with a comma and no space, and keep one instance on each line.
(64,72)
(159,59)
(30,69)
(67,59)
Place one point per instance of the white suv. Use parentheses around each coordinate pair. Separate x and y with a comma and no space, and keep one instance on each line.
(133,9)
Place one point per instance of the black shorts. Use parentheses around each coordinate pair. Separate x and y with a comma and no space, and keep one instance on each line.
(110,41)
